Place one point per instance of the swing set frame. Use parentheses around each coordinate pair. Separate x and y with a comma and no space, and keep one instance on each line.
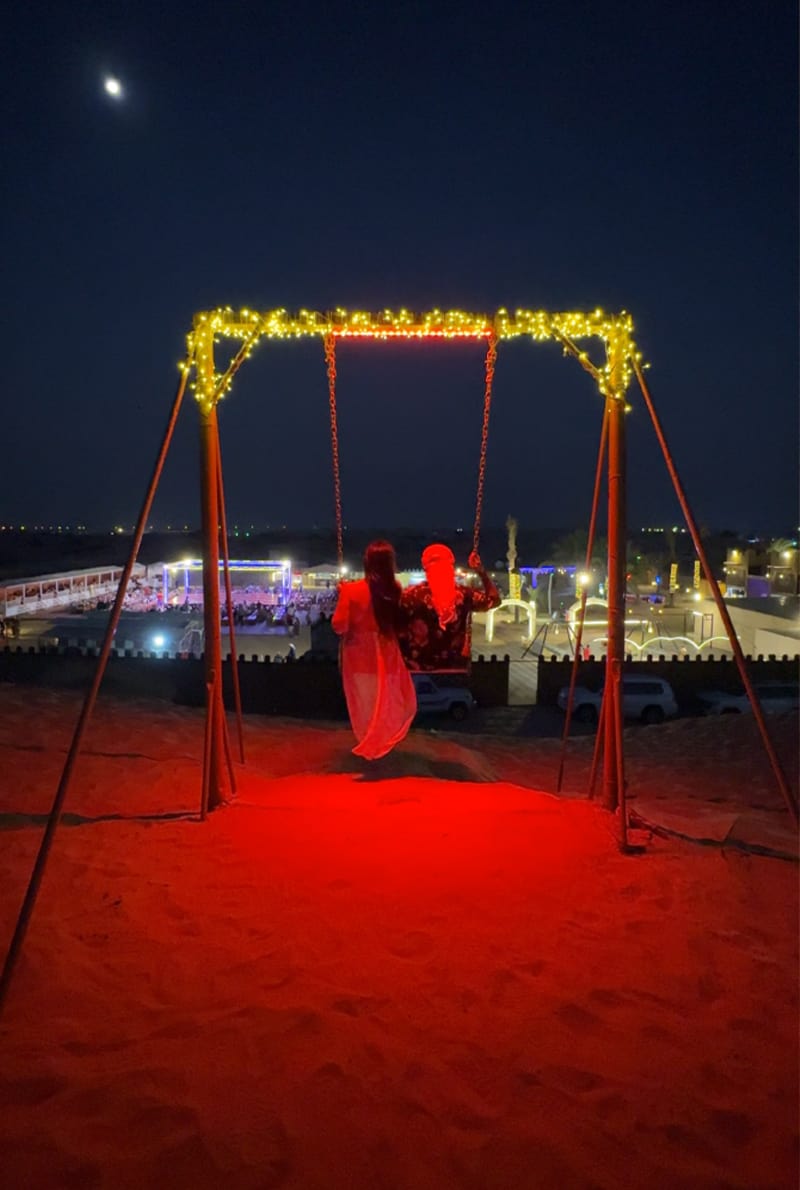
(248,327)
(210,385)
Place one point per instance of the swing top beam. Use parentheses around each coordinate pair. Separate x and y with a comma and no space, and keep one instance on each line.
(615,331)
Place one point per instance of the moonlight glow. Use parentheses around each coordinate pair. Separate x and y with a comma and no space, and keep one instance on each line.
(112,86)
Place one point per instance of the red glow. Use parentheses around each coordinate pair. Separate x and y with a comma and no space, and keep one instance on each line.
(375,333)
(425,974)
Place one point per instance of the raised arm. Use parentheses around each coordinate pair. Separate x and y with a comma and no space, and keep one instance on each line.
(489,597)
(340,620)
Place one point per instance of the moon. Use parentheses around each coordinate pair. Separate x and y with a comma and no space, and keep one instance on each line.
(113,87)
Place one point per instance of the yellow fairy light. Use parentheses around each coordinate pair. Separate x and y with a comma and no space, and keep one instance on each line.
(249,327)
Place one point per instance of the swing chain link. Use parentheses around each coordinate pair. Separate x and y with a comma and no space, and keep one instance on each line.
(330,360)
(491,360)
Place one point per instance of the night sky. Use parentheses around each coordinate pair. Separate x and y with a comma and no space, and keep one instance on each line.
(547,155)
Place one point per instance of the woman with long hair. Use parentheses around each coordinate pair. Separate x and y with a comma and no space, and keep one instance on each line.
(381,701)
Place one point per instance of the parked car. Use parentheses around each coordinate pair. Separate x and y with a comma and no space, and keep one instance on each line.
(648,699)
(433,699)
(772,696)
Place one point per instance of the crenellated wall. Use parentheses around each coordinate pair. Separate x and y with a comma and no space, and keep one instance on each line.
(686,675)
(307,687)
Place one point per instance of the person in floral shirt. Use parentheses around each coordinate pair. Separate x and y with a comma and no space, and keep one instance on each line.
(436,616)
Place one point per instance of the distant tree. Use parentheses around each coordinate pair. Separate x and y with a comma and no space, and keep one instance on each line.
(669,541)
(643,567)
(571,549)
(779,545)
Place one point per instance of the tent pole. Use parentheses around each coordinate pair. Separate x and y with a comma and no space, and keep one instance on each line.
(91,697)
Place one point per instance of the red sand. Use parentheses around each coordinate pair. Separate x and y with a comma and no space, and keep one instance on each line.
(432,979)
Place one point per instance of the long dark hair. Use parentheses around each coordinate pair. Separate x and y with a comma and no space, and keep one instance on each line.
(384,589)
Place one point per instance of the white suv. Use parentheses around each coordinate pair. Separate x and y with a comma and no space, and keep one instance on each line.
(772,696)
(648,699)
(454,701)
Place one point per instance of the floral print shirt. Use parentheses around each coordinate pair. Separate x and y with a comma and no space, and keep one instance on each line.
(425,645)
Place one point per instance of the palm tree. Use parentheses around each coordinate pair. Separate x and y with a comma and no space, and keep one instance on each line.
(571,549)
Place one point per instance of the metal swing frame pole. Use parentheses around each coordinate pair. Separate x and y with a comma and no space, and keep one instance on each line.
(598,475)
(210,388)
(598,746)
(54,817)
(741,664)
(214,781)
(613,753)
(223,524)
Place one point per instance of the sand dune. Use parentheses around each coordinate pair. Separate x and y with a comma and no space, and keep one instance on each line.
(428,974)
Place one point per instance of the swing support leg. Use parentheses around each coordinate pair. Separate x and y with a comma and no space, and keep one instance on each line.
(598,744)
(209,455)
(615,653)
(37,874)
(582,612)
(237,694)
(724,614)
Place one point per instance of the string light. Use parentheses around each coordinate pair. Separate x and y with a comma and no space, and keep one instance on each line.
(249,327)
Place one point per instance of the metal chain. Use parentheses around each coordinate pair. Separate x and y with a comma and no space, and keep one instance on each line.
(330,361)
(491,360)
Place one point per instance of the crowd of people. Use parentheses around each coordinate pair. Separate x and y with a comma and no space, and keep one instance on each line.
(386,633)
(252,606)
(304,609)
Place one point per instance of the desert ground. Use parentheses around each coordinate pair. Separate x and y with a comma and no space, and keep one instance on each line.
(424,973)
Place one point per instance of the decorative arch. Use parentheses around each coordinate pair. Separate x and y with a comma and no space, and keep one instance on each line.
(528,608)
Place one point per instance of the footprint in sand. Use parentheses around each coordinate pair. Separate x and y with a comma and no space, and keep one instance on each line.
(330,1070)
(28,1092)
(606,996)
(744,1024)
(571,1079)
(415,945)
(657,1033)
(534,968)
(578,1018)
(356,1005)
(732,1127)
(688,1139)
(709,988)
(83,1048)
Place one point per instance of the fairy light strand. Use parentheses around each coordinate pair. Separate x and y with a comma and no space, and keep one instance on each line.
(249,327)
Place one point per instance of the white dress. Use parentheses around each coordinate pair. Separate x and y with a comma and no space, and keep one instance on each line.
(381,701)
